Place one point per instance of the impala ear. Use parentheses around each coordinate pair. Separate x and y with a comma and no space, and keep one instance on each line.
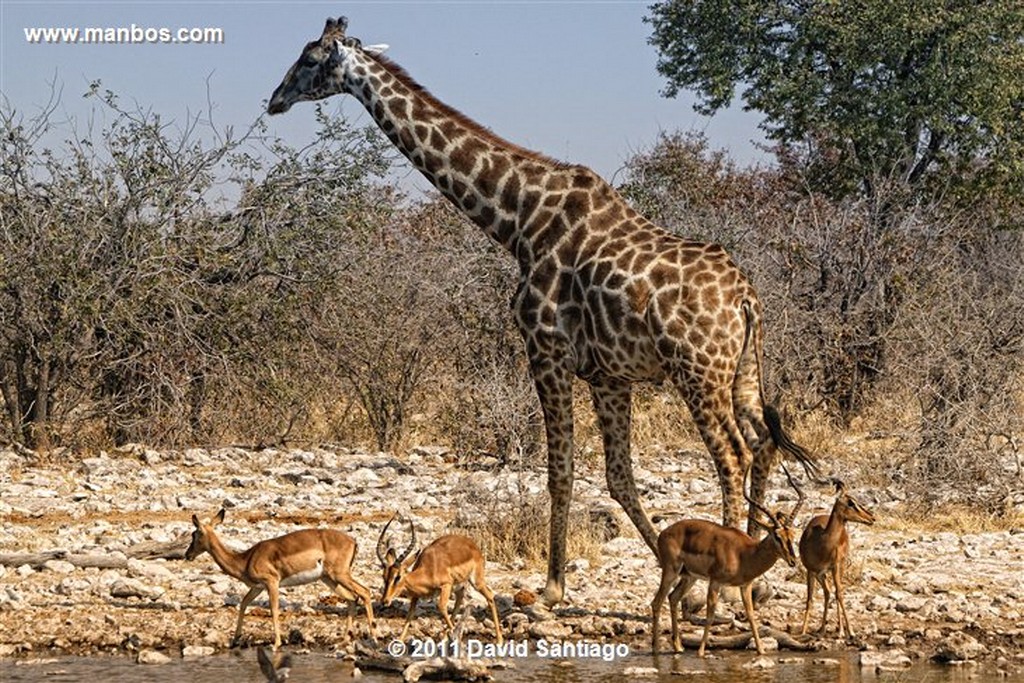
(195,521)
(219,517)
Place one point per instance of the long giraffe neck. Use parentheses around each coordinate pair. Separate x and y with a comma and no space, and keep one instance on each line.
(523,200)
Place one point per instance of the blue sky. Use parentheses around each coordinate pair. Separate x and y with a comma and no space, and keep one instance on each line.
(574,80)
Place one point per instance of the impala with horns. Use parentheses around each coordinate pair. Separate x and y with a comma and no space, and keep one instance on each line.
(294,559)
(694,549)
(447,564)
(823,548)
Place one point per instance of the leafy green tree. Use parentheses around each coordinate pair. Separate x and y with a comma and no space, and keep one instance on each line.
(924,96)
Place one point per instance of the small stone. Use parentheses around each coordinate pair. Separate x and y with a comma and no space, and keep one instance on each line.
(59,566)
(577,565)
(149,570)
(551,630)
(631,672)
(190,651)
(911,603)
(880,604)
(768,644)
(884,661)
(760,664)
(152,657)
(524,598)
(131,588)
(959,647)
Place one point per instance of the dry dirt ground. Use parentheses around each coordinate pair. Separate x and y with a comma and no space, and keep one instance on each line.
(914,591)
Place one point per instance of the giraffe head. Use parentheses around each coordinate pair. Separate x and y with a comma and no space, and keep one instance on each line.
(323,69)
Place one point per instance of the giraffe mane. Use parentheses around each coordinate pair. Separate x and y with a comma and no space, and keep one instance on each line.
(402,75)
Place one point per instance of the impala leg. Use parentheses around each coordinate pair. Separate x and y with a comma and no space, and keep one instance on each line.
(674,600)
(712,604)
(272,594)
(249,597)
(459,592)
(837,578)
(823,580)
(442,605)
(810,601)
(345,595)
(668,579)
(748,604)
(408,617)
(362,593)
(488,594)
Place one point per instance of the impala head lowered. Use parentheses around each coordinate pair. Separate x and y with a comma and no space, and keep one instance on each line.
(393,564)
(780,528)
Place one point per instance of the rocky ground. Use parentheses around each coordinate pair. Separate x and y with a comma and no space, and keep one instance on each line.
(914,593)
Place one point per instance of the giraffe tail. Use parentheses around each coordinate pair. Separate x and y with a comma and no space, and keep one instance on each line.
(783,441)
(769,413)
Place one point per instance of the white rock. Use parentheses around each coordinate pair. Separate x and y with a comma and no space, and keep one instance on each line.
(881,661)
(550,630)
(152,657)
(149,570)
(59,566)
(760,663)
(631,672)
(132,588)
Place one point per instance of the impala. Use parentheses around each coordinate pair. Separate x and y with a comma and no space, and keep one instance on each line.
(694,549)
(294,559)
(447,564)
(823,547)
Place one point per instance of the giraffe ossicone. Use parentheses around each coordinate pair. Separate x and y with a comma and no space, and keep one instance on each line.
(603,293)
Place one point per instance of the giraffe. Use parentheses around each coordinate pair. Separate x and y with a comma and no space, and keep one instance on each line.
(603,293)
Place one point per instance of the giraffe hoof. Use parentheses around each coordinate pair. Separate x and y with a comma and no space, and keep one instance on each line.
(550,597)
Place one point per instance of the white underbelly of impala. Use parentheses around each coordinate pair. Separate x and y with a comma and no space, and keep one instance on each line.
(304,577)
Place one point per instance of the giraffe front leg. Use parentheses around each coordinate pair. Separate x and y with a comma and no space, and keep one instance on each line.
(554,388)
(613,406)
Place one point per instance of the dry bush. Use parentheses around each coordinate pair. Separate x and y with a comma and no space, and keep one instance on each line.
(513,528)
(958,349)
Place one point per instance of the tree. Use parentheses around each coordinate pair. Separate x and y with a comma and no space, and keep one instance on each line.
(923,93)
(133,308)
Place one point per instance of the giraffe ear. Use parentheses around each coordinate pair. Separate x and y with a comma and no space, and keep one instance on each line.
(376,49)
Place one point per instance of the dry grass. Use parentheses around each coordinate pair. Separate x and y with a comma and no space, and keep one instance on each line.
(957,518)
(516,530)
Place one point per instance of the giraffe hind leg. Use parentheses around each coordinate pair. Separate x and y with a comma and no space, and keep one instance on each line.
(711,410)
